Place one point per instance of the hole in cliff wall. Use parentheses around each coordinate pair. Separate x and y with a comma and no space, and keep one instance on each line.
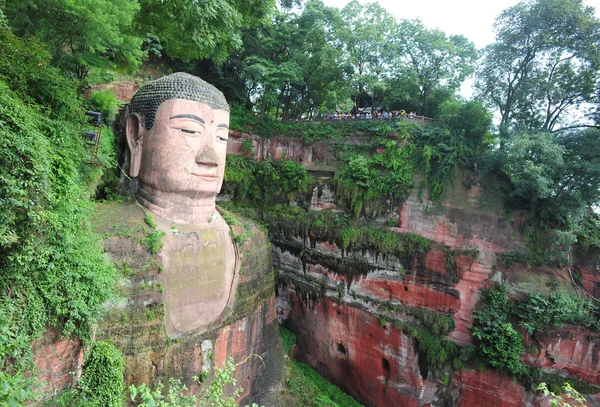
(341,348)
(423,365)
(385,364)
(405,288)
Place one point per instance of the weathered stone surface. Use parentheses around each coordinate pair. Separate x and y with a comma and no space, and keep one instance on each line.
(488,388)
(329,296)
(59,361)
(123,90)
(573,350)
(377,364)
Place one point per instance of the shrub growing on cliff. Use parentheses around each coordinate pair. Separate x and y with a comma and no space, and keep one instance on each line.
(102,383)
(537,312)
(215,395)
(499,344)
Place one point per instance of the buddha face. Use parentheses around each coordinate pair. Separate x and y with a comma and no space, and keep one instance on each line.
(184,152)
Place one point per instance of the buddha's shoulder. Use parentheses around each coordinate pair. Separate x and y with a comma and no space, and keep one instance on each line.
(123,214)
(252,242)
(247,233)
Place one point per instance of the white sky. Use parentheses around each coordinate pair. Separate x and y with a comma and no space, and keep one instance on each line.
(472,18)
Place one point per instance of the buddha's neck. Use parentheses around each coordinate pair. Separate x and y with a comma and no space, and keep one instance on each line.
(177,208)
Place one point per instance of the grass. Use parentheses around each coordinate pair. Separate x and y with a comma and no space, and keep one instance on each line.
(305,387)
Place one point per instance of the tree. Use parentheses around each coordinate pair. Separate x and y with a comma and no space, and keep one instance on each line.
(365,34)
(470,122)
(544,62)
(190,29)
(81,34)
(533,162)
(577,187)
(292,64)
(432,60)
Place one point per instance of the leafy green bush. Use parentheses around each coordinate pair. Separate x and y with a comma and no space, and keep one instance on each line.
(105,102)
(499,344)
(26,69)
(102,383)
(215,395)
(384,174)
(153,241)
(537,312)
(264,182)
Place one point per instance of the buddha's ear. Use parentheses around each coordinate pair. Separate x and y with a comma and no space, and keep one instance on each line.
(135,131)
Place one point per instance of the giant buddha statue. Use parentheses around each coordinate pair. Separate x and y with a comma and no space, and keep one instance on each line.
(184,308)
(177,131)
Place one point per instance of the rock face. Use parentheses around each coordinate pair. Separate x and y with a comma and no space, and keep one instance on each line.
(375,363)
(124,91)
(572,349)
(59,361)
(488,388)
(352,310)
(136,325)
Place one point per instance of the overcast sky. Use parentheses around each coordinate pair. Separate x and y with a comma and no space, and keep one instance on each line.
(472,18)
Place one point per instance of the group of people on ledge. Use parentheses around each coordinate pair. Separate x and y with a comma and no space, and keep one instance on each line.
(362,115)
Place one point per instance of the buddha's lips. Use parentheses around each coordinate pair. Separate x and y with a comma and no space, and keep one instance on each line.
(208,177)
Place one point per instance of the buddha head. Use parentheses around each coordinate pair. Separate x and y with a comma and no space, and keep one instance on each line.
(177,131)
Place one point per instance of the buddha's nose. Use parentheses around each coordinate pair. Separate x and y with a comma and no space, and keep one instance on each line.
(207,156)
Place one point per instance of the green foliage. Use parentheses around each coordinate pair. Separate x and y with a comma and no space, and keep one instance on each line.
(105,102)
(247,146)
(537,312)
(102,383)
(386,174)
(433,60)
(229,218)
(26,69)
(50,260)
(153,241)
(532,162)
(542,64)
(470,123)
(306,387)
(198,30)
(569,397)
(265,182)
(498,342)
(144,396)
(288,338)
(149,221)
(215,395)
(16,386)
(384,241)
(556,381)
(52,270)
(81,35)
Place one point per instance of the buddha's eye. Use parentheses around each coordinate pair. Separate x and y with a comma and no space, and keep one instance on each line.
(190,132)
(223,139)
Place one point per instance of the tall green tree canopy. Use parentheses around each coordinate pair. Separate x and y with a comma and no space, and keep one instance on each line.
(365,35)
(431,59)
(544,62)
(190,29)
(81,34)
(293,65)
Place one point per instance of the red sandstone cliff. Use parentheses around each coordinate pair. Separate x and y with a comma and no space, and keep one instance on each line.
(337,301)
